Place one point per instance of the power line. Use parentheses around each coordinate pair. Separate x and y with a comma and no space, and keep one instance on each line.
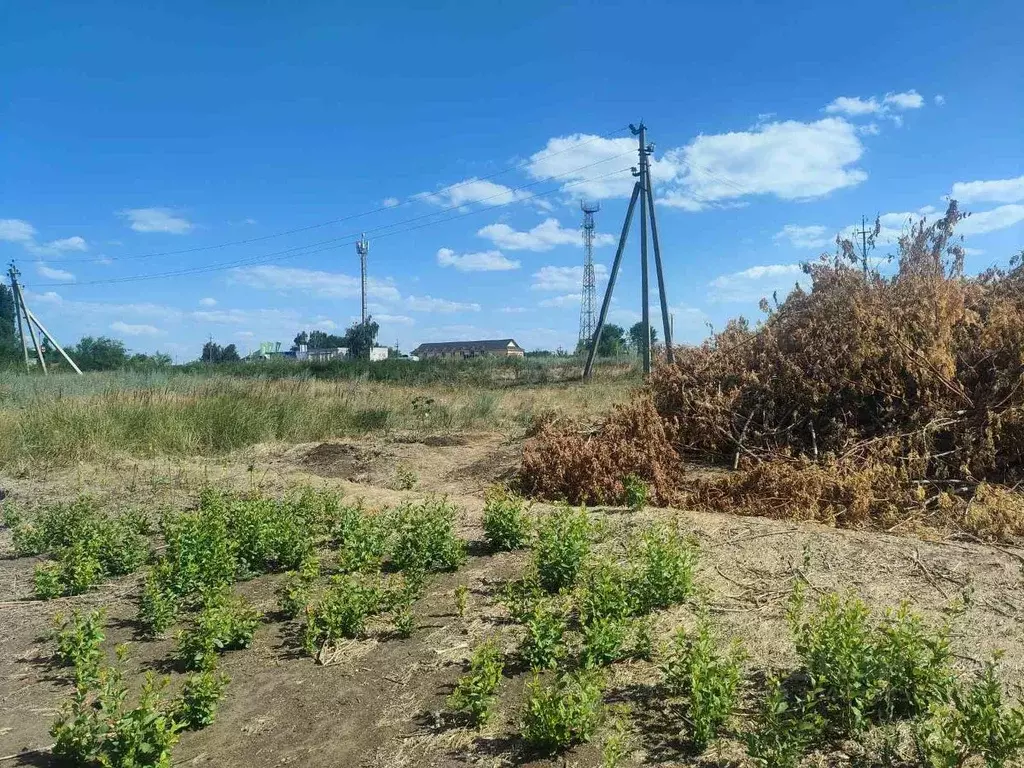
(334,243)
(319,225)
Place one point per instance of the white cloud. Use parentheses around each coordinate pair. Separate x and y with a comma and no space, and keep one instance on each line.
(563,279)
(561,302)
(812,236)
(50,273)
(756,283)
(854,106)
(484,261)
(869,129)
(939,99)
(578,159)
(244,316)
(430,304)
(980,223)
(156,220)
(208,302)
(906,100)
(543,237)
(974,252)
(474,190)
(390,202)
(790,160)
(995,191)
(513,310)
(132,329)
(313,282)
(16,231)
(394,319)
(54,247)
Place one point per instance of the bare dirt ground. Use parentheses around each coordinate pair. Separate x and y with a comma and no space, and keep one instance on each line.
(380,700)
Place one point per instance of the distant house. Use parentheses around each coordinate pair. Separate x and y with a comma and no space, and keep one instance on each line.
(462,349)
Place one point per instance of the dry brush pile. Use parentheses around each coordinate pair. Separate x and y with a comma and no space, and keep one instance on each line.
(870,399)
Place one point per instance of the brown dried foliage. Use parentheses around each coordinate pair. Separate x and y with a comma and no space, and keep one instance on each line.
(865,400)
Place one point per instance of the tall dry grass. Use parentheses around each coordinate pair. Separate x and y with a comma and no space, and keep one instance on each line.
(64,419)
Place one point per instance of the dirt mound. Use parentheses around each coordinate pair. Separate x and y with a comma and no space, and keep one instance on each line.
(341,460)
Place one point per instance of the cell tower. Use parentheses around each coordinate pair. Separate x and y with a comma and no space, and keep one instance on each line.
(362,248)
(587,296)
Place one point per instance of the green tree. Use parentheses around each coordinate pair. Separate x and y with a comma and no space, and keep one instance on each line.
(300,339)
(636,337)
(215,353)
(360,338)
(99,354)
(612,341)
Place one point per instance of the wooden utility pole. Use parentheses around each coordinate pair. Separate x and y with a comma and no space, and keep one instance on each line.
(13,273)
(32,322)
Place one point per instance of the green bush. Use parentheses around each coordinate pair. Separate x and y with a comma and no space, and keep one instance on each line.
(544,643)
(864,672)
(268,535)
(975,722)
(362,539)
(196,707)
(562,714)
(783,731)
(664,563)
(506,525)
(474,693)
(608,591)
(603,642)
(200,554)
(46,581)
(707,680)
(158,605)
(78,644)
(522,597)
(341,612)
(635,492)
(296,589)
(562,547)
(225,623)
(425,537)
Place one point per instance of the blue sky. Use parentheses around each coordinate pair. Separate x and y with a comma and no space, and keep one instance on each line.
(148,139)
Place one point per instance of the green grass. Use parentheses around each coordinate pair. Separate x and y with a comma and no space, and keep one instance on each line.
(62,419)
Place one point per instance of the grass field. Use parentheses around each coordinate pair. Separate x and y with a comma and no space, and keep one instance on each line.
(321,570)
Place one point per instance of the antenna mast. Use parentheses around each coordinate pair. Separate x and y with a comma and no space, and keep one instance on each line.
(362,248)
(587,296)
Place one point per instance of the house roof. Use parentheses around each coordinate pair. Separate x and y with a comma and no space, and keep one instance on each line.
(481,345)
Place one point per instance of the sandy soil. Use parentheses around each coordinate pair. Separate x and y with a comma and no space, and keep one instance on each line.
(380,701)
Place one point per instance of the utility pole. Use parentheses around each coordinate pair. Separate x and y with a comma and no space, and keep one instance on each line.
(864,232)
(641,191)
(363,248)
(13,274)
(589,283)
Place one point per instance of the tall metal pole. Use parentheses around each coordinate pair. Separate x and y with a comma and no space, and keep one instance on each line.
(644,288)
(587,295)
(362,248)
(47,334)
(13,274)
(588,368)
(666,321)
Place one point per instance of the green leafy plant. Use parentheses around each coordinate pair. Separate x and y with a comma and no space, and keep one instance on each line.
(603,641)
(975,722)
(425,537)
(362,539)
(405,477)
(158,605)
(341,612)
(403,619)
(475,691)
(562,714)
(635,492)
(46,581)
(544,643)
(506,525)
(461,596)
(664,563)
(783,730)
(225,623)
(200,696)
(295,591)
(863,672)
(607,592)
(522,597)
(707,680)
(617,741)
(562,547)
(79,641)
